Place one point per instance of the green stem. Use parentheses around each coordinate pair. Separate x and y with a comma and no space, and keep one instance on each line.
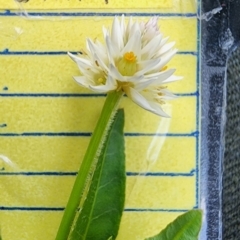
(108,111)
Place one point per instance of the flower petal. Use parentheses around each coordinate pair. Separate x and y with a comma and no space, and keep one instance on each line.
(167,94)
(96,50)
(101,50)
(151,48)
(113,52)
(117,75)
(116,34)
(83,81)
(139,86)
(114,73)
(147,66)
(164,60)
(158,110)
(99,57)
(105,31)
(79,59)
(142,102)
(100,62)
(136,78)
(134,29)
(164,40)
(122,26)
(173,78)
(134,45)
(165,48)
(161,76)
(110,85)
(91,46)
(86,67)
(100,88)
(129,27)
(151,29)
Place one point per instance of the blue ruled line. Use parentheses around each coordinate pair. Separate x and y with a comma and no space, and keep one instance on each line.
(96,14)
(3,173)
(161,174)
(5,208)
(57,209)
(154,210)
(198,105)
(130,174)
(7,52)
(88,134)
(52,95)
(76,95)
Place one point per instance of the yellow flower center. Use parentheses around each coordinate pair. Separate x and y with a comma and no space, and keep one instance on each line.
(130,57)
(101,81)
(164,68)
(127,65)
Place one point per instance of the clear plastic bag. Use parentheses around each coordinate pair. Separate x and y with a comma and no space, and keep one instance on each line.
(173,164)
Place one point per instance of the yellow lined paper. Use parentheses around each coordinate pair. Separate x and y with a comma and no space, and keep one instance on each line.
(64,83)
(46,119)
(71,150)
(37,192)
(52,220)
(71,114)
(71,32)
(95,5)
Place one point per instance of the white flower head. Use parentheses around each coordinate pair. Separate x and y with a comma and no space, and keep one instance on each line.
(132,59)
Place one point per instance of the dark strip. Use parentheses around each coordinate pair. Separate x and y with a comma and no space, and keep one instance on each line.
(213,98)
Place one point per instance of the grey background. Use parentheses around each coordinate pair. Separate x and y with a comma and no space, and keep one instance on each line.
(231,164)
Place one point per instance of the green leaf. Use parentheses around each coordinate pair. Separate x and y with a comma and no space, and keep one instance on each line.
(185,227)
(101,213)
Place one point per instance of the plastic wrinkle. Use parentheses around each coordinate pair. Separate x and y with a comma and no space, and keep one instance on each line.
(18,30)
(154,150)
(205,93)
(23,13)
(12,33)
(209,9)
(203,206)
(226,40)
(208,15)
(7,161)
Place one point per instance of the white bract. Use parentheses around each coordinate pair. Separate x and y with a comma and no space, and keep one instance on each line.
(132,59)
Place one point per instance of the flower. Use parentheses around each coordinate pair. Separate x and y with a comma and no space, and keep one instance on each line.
(132,59)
